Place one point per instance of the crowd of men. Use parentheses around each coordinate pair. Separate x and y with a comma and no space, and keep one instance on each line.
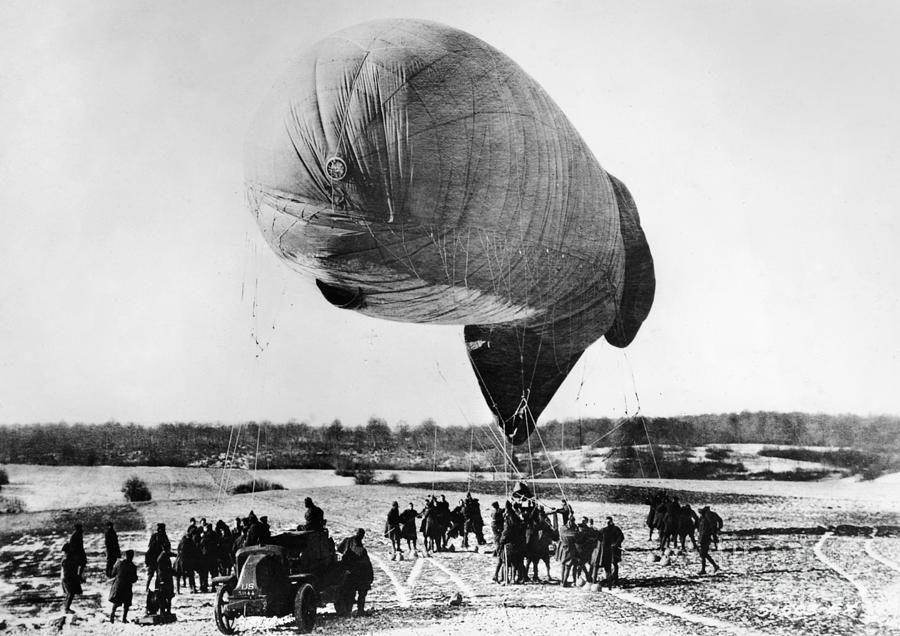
(204,551)
(525,534)
(676,522)
(439,524)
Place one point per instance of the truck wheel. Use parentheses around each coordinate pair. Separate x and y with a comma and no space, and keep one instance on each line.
(224,621)
(305,608)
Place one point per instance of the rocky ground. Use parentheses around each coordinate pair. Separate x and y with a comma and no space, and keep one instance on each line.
(787,568)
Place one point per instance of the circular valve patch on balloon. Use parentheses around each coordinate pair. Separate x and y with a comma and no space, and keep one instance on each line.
(336,168)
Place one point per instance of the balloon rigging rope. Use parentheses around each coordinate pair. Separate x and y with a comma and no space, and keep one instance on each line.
(499,442)
(224,462)
(255,464)
(471,450)
(549,461)
(229,462)
(434,460)
(643,420)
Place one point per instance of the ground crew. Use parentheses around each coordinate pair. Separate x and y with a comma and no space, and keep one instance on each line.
(113,552)
(355,560)
(706,529)
(124,574)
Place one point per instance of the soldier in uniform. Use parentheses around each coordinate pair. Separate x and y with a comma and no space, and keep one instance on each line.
(608,552)
(717,527)
(124,575)
(355,559)
(392,530)
(226,546)
(706,529)
(564,511)
(165,583)
(567,552)
(474,523)
(71,576)
(186,561)
(266,530)
(76,548)
(209,556)
(408,528)
(159,543)
(113,552)
(496,524)
(314,517)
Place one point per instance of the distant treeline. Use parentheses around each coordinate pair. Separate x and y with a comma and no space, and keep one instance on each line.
(423,446)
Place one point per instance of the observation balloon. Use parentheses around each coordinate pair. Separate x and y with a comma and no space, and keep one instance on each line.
(417,174)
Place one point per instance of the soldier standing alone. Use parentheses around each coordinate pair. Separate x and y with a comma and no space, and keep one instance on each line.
(360,575)
(706,529)
(113,552)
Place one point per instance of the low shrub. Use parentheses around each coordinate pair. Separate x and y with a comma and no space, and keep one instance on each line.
(4,478)
(364,476)
(632,462)
(392,480)
(255,485)
(135,489)
(856,461)
(716,453)
(798,474)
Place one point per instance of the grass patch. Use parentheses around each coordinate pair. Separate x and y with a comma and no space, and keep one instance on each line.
(255,485)
(549,492)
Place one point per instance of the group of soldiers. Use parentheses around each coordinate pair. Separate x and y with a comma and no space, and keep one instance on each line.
(204,550)
(676,522)
(525,535)
(120,568)
(439,524)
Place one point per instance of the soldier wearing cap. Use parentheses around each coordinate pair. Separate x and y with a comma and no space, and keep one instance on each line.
(706,530)
(355,560)
(158,544)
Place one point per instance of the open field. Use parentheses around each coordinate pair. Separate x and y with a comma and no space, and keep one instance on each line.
(787,566)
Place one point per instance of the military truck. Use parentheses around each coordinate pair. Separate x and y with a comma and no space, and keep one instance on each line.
(294,573)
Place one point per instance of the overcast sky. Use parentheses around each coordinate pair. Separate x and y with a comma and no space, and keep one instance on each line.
(760,139)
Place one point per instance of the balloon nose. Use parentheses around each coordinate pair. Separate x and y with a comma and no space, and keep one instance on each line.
(342,297)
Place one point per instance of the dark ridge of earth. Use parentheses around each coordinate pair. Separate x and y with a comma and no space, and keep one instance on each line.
(611,493)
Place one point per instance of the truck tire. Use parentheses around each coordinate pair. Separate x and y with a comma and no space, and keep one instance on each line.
(224,621)
(305,607)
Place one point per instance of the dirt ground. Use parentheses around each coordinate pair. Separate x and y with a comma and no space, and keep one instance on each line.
(783,571)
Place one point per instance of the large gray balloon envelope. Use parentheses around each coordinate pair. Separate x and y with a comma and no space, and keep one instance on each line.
(417,174)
